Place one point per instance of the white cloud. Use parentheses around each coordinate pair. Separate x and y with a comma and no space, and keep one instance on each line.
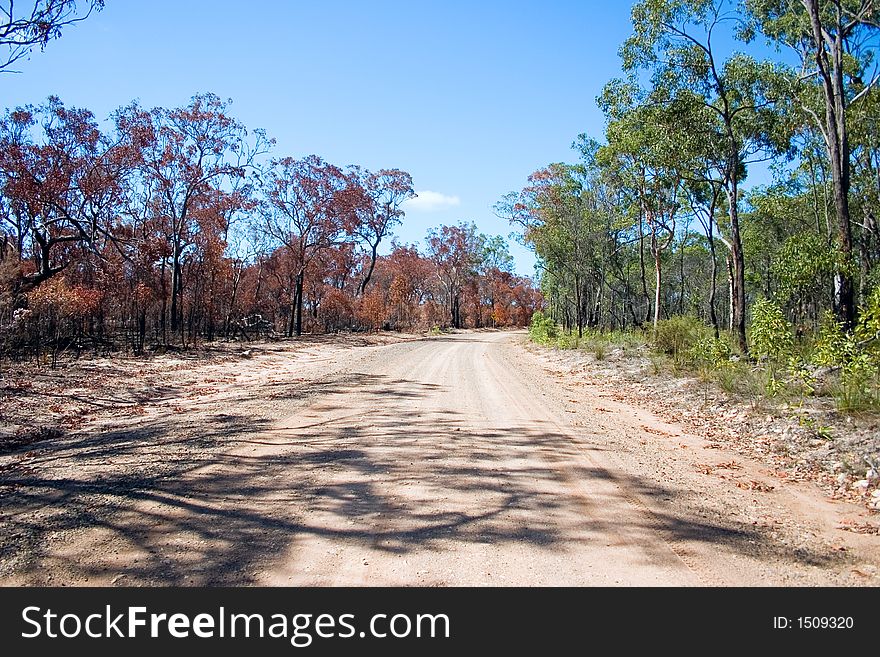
(428,201)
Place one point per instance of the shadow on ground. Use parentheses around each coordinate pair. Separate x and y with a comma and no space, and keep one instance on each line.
(217,507)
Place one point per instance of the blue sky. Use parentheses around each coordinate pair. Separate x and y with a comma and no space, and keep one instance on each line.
(469,97)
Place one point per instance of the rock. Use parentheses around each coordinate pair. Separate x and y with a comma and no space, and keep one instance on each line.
(861,484)
(841,478)
(865,570)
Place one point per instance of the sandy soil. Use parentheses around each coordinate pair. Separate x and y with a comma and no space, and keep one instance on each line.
(463,459)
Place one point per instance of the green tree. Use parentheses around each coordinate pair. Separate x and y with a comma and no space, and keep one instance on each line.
(675,40)
(834,41)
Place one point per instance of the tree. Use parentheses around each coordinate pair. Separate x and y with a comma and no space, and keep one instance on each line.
(410,281)
(194,162)
(168,219)
(644,155)
(456,252)
(385,192)
(21,31)
(834,41)
(674,38)
(310,206)
(62,180)
(562,216)
(495,272)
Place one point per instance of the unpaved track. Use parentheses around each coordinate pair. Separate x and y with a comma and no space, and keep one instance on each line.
(457,460)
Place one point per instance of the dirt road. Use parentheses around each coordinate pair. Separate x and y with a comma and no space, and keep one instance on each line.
(456,460)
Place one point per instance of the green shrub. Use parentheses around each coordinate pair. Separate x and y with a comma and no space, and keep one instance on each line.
(542,329)
(567,340)
(710,352)
(802,377)
(859,386)
(770,335)
(868,330)
(676,336)
(856,355)
(833,348)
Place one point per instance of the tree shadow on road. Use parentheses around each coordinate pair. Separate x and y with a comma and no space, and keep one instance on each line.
(148,506)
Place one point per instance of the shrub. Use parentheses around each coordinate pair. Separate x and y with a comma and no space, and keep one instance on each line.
(834,348)
(770,334)
(856,355)
(567,340)
(859,387)
(542,329)
(710,352)
(676,336)
(868,330)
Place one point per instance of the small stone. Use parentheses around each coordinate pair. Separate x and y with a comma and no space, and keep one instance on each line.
(865,570)
(861,484)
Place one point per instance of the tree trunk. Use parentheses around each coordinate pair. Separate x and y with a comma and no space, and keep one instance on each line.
(658,280)
(363,286)
(713,282)
(299,302)
(738,279)
(837,145)
(642,268)
(164,320)
(681,273)
(728,263)
(142,330)
(175,288)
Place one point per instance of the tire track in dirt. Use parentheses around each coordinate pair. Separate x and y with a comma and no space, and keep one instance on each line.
(525,403)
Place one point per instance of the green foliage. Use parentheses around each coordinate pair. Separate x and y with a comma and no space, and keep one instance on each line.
(821,431)
(682,124)
(802,376)
(567,340)
(710,352)
(677,336)
(855,355)
(859,387)
(770,334)
(542,329)
(834,348)
(868,330)
(803,267)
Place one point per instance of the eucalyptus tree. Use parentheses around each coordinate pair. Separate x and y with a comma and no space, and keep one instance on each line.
(560,218)
(643,156)
(456,252)
(34,24)
(676,41)
(835,41)
(865,134)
